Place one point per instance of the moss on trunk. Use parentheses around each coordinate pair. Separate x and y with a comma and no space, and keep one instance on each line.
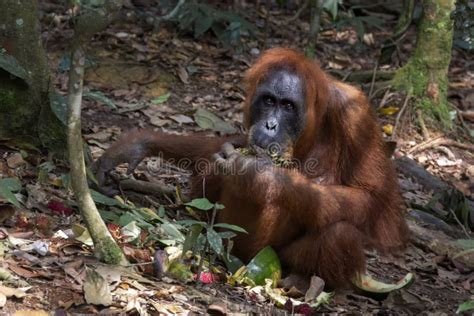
(425,76)
(24,103)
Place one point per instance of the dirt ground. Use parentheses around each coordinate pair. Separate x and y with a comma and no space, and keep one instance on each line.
(134,65)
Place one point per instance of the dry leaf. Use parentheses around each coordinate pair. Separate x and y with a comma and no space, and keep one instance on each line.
(181,119)
(183,74)
(96,289)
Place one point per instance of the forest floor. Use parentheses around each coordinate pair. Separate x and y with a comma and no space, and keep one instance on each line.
(158,79)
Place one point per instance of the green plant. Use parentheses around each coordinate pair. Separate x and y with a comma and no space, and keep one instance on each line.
(203,238)
(8,186)
(199,18)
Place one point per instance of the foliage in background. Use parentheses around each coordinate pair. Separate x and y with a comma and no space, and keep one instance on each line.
(348,17)
(228,27)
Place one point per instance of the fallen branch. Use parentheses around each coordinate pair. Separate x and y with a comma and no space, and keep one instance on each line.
(440,141)
(364,76)
(411,169)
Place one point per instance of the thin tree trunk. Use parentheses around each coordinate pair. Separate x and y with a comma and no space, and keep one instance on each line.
(88,23)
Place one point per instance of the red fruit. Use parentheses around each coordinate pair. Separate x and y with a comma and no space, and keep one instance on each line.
(207,277)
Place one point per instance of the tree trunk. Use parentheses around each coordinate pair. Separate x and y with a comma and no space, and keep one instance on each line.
(425,76)
(24,78)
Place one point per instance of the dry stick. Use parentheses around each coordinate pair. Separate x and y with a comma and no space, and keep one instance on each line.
(373,80)
(459,223)
(397,120)
(172,12)
(440,141)
(385,97)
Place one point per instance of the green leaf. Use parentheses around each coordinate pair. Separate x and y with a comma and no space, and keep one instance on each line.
(466,306)
(173,231)
(6,191)
(208,120)
(331,7)
(12,184)
(219,206)
(100,97)
(465,243)
(379,290)
(126,218)
(109,216)
(227,235)
(58,105)
(191,222)
(231,227)
(11,65)
(232,263)
(215,241)
(191,237)
(161,99)
(202,204)
(161,211)
(202,25)
(105,200)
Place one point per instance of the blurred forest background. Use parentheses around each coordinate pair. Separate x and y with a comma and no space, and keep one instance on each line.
(75,74)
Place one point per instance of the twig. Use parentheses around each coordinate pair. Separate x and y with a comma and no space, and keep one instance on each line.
(385,97)
(459,223)
(373,80)
(172,13)
(399,115)
(385,85)
(440,141)
(447,151)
